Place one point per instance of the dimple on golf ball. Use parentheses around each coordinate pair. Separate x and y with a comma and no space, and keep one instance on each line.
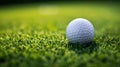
(80,31)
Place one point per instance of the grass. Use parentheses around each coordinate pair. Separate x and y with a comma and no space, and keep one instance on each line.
(34,35)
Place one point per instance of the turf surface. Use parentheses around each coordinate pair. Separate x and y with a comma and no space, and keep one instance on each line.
(34,35)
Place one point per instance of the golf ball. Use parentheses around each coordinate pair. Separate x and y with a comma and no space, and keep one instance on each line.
(80,31)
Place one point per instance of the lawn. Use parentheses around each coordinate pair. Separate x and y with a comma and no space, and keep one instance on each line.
(33,35)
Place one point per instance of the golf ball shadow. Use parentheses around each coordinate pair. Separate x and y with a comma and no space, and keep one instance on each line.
(82,48)
(80,45)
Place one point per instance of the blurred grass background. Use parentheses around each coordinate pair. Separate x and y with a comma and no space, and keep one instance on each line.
(34,35)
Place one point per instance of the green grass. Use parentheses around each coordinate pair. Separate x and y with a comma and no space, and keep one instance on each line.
(34,35)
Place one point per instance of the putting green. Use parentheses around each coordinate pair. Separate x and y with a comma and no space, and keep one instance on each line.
(34,35)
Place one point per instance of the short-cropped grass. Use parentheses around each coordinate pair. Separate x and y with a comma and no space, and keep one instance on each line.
(34,36)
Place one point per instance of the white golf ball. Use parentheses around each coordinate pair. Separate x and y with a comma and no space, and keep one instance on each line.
(80,31)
